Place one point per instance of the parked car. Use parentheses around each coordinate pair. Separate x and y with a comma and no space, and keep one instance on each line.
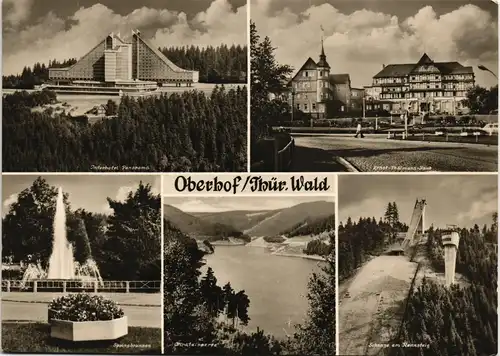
(491,128)
(440,132)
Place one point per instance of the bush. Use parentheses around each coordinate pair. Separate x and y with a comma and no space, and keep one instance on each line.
(274,239)
(84,307)
(317,247)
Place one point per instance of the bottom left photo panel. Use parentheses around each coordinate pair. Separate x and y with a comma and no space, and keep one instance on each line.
(81,264)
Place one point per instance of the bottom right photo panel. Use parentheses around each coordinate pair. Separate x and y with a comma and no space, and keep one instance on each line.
(417,264)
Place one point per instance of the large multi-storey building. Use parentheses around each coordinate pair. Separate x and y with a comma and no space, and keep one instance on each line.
(422,87)
(313,88)
(121,64)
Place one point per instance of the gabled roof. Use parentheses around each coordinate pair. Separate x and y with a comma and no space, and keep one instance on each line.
(309,64)
(339,78)
(401,70)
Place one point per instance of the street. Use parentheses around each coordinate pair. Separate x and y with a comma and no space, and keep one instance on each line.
(376,153)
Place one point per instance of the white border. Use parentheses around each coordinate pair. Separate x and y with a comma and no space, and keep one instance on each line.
(248,86)
(162,242)
(337,220)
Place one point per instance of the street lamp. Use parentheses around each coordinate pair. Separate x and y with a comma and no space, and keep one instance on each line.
(483,68)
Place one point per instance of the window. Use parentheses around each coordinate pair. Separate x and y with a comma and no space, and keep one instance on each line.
(314,106)
(298,106)
(320,73)
(305,107)
(306,74)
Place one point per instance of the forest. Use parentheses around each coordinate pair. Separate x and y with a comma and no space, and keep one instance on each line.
(221,64)
(187,132)
(125,244)
(366,237)
(311,227)
(199,311)
(463,319)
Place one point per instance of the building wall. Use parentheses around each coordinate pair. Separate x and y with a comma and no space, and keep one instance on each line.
(342,93)
(110,65)
(89,67)
(124,62)
(153,65)
(306,86)
(426,89)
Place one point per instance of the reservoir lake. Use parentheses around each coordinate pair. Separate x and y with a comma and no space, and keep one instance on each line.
(275,285)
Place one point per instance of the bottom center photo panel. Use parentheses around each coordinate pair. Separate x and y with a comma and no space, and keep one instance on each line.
(249,273)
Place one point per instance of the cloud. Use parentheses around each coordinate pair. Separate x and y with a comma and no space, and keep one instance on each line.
(52,37)
(359,43)
(123,192)
(8,202)
(16,12)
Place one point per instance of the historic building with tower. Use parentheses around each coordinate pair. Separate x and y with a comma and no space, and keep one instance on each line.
(422,87)
(314,88)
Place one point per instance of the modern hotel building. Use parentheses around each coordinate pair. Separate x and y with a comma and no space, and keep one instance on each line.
(115,66)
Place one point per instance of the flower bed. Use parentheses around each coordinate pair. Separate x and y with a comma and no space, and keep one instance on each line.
(85,317)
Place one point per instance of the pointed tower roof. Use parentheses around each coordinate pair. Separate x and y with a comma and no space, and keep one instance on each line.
(425,59)
(322,58)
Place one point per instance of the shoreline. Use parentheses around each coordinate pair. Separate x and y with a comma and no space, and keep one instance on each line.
(307,257)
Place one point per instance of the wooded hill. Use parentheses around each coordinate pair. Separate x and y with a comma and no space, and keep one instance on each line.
(252,223)
(461,320)
(188,132)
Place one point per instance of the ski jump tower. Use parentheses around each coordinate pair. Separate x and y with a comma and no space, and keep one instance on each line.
(417,226)
(450,242)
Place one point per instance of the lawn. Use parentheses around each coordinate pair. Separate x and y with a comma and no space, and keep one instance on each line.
(35,338)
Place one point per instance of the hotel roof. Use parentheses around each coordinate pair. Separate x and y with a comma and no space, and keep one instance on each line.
(401,70)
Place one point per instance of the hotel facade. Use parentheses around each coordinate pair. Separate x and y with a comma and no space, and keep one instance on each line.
(422,87)
(117,65)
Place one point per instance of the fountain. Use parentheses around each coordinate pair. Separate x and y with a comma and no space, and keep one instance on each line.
(62,265)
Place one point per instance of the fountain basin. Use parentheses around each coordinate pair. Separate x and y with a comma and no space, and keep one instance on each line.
(88,330)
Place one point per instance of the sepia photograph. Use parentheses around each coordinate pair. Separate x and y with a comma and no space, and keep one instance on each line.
(124,86)
(417,265)
(249,275)
(374,86)
(81,264)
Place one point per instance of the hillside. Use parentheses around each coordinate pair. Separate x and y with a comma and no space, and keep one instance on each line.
(239,219)
(312,226)
(195,226)
(285,219)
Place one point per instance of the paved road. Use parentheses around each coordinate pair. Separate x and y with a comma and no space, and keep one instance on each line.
(377,153)
(141,309)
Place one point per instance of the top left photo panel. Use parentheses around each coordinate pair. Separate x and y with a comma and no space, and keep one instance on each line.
(124,86)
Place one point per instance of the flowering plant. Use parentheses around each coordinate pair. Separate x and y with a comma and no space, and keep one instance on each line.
(84,307)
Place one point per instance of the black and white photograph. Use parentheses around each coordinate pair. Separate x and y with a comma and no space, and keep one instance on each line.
(249,275)
(417,265)
(124,86)
(81,264)
(374,86)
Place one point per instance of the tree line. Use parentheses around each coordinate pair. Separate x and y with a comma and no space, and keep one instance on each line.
(482,100)
(367,237)
(193,306)
(125,244)
(221,64)
(311,227)
(184,132)
(37,75)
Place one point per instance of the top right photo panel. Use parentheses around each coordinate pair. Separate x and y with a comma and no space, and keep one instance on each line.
(374,86)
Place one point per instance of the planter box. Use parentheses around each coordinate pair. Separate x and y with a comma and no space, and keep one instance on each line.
(88,330)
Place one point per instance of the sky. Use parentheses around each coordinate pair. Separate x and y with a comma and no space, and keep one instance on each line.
(85,191)
(41,30)
(362,35)
(462,200)
(216,204)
